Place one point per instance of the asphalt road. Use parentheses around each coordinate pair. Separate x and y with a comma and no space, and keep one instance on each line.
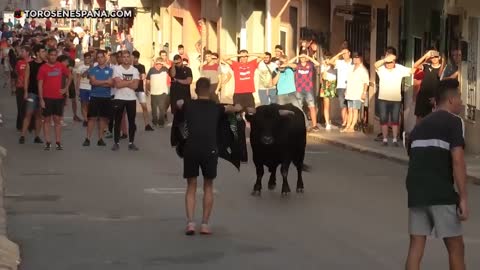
(91,208)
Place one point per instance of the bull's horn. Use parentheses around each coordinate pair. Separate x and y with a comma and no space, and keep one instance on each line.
(285,112)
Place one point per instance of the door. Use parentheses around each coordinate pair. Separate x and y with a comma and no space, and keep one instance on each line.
(294,23)
(472,68)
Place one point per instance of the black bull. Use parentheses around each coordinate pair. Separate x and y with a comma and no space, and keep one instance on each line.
(278,137)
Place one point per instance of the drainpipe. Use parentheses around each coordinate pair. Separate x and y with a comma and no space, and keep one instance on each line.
(268,26)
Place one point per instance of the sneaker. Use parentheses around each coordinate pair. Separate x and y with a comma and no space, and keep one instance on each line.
(48,146)
(101,143)
(385,143)
(86,142)
(205,229)
(328,127)
(115,147)
(149,128)
(190,230)
(37,140)
(314,129)
(123,137)
(21,140)
(77,119)
(132,147)
(85,123)
(108,134)
(59,146)
(63,123)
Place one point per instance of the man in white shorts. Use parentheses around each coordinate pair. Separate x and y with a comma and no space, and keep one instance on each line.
(140,92)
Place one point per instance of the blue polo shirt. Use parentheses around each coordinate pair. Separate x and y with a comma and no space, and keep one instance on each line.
(100,74)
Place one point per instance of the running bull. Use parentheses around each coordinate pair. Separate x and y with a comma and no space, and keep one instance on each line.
(278,137)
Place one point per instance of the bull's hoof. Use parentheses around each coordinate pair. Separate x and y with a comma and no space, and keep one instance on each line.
(285,194)
(300,190)
(256,193)
(272,186)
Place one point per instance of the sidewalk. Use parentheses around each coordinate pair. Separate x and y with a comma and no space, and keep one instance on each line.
(365,143)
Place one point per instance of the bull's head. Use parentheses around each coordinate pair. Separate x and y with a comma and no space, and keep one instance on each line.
(265,122)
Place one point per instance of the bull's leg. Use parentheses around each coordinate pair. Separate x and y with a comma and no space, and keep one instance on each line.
(284,170)
(257,188)
(272,182)
(300,178)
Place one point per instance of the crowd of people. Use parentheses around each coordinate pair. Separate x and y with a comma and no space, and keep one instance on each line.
(48,69)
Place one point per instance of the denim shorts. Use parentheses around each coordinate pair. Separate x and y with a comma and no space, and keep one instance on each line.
(389,111)
(307,97)
(33,103)
(354,104)
(84,95)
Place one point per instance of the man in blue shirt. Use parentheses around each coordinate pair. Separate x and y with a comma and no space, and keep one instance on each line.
(100,107)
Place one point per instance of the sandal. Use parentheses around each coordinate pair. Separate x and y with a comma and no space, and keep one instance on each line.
(190,229)
(205,229)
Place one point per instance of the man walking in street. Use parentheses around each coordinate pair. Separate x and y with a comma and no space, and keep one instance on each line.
(52,96)
(436,150)
(100,105)
(201,151)
(126,79)
(140,91)
(157,86)
(181,80)
(31,95)
(20,93)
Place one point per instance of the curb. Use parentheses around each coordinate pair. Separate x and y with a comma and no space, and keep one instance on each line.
(9,251)
(373,152)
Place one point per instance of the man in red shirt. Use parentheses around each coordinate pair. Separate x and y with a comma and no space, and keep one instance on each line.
(20,83)
(52,96)
(244,73)
(48,25)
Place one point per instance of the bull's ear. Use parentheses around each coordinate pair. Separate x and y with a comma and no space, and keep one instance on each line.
(285,112)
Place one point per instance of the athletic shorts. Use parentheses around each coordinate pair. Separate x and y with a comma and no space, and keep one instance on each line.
(354,104)
(141,97)
(443,219)
(84,95)
(53,107)
(99,107)
(206,162)
(246,100)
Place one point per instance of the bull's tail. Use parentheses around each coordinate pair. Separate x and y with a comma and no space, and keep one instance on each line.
(306,168)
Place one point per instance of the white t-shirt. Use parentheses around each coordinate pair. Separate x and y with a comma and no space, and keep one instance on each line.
(84,81)
(265,75)
(390,86)
(343,69)
(329,73)
(129,74)
(356,83)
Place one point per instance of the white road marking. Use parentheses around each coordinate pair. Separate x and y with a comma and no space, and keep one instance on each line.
(166,191)
(316,152)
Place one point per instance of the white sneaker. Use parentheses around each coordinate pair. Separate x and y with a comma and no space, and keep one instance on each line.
(328,127)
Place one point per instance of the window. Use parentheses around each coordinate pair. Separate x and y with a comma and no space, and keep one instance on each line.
(283,39)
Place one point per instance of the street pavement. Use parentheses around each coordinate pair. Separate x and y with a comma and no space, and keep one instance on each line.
(91,208)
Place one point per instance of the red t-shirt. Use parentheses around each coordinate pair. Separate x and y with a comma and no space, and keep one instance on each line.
(72,53)
(52,79)
(244,76)
(48,24)
(20,69)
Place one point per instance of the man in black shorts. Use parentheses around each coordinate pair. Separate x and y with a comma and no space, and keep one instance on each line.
(181,80)
(244,72)
(51,96)
(201,151)
(100,105)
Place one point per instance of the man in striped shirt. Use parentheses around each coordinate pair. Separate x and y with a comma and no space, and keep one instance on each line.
(436,150)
